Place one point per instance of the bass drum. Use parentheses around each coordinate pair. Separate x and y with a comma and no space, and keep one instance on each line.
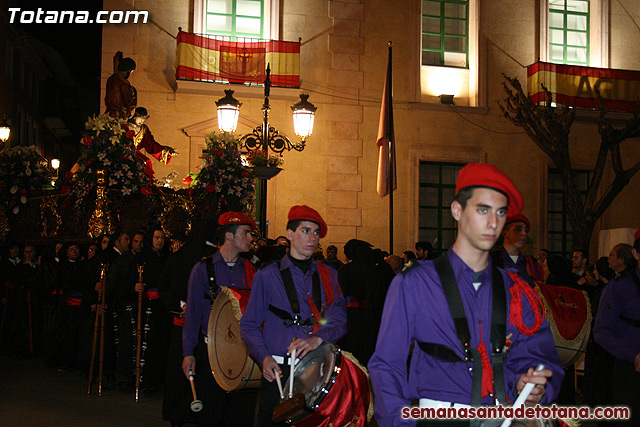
(231,364)
(568,312)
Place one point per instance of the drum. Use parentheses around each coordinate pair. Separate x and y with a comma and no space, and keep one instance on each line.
(335,388)
(230,362)
(569,315)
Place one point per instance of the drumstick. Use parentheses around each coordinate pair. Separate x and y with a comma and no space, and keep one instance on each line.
(196,405)
(275,372)
(524,394)
(293,363)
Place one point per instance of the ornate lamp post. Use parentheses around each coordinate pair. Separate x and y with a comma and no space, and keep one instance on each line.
(264,136)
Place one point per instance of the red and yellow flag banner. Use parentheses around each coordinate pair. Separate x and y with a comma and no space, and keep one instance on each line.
(578,86)
(209,59)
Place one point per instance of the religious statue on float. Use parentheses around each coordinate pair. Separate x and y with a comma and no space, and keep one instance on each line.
(121,97)
(143,139)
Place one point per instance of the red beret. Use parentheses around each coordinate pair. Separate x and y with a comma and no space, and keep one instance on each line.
(308,214)
(236,218)
(486,175)
(518,218)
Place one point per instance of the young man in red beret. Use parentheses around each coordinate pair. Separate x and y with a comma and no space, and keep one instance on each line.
(499,336)
(272,320)
(515,232)
(224,268)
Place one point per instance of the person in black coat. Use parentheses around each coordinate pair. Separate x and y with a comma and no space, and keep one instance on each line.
(364,282)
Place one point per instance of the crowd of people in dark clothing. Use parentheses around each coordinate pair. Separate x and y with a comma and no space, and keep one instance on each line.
(50,298)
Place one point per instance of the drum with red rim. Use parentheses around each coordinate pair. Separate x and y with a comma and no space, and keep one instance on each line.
(335,387)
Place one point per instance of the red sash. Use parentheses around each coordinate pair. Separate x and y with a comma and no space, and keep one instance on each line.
(73,302)
(151,294)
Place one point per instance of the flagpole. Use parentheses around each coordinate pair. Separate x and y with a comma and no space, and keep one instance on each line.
(391,149)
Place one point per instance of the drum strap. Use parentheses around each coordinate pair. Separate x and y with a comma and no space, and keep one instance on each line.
(292,296)
(211,275)
(498,331)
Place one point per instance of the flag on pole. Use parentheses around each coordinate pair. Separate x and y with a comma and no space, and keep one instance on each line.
(387,181)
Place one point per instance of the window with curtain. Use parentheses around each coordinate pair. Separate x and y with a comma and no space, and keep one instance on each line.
(569,32)
(445,28)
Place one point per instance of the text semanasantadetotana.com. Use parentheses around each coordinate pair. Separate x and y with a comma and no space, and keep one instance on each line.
(529,412)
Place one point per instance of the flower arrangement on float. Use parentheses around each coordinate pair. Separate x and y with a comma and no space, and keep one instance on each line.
(224,182)
(108,145)
(22,171)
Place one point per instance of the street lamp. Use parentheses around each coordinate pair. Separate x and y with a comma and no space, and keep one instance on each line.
(55,165)
(228,112)
(264,136)
(5,131)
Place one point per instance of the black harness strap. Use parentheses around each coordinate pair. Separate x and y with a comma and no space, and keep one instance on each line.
(498,334)
(630,321)
(292,296)
(498,330)
(211,275)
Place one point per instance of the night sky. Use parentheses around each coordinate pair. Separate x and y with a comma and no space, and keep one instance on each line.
(79,44)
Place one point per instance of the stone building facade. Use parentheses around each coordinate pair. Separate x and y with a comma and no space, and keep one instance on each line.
(342,66)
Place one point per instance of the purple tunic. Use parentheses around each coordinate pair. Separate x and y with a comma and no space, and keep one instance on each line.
(520,265)
(268,289)
(199,305)
(619,298)
(416,309)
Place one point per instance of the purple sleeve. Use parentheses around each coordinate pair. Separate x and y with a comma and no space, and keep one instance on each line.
(388,365)
(607,330)
(254,316)
(196,306)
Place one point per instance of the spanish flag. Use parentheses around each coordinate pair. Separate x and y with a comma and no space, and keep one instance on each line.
(578,86)
(203,58)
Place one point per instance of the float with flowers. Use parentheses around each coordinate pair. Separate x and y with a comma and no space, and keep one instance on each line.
(108,188)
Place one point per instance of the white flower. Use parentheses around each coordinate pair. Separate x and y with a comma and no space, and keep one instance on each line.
(112,182)
(129,174)
(16,210)
(23,199)
(106,162)
(101,156)
(14,189)
(126,191)
(118,174)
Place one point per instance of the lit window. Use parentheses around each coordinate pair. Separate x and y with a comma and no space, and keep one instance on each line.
(445,28)
(569,32)
(235,18)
